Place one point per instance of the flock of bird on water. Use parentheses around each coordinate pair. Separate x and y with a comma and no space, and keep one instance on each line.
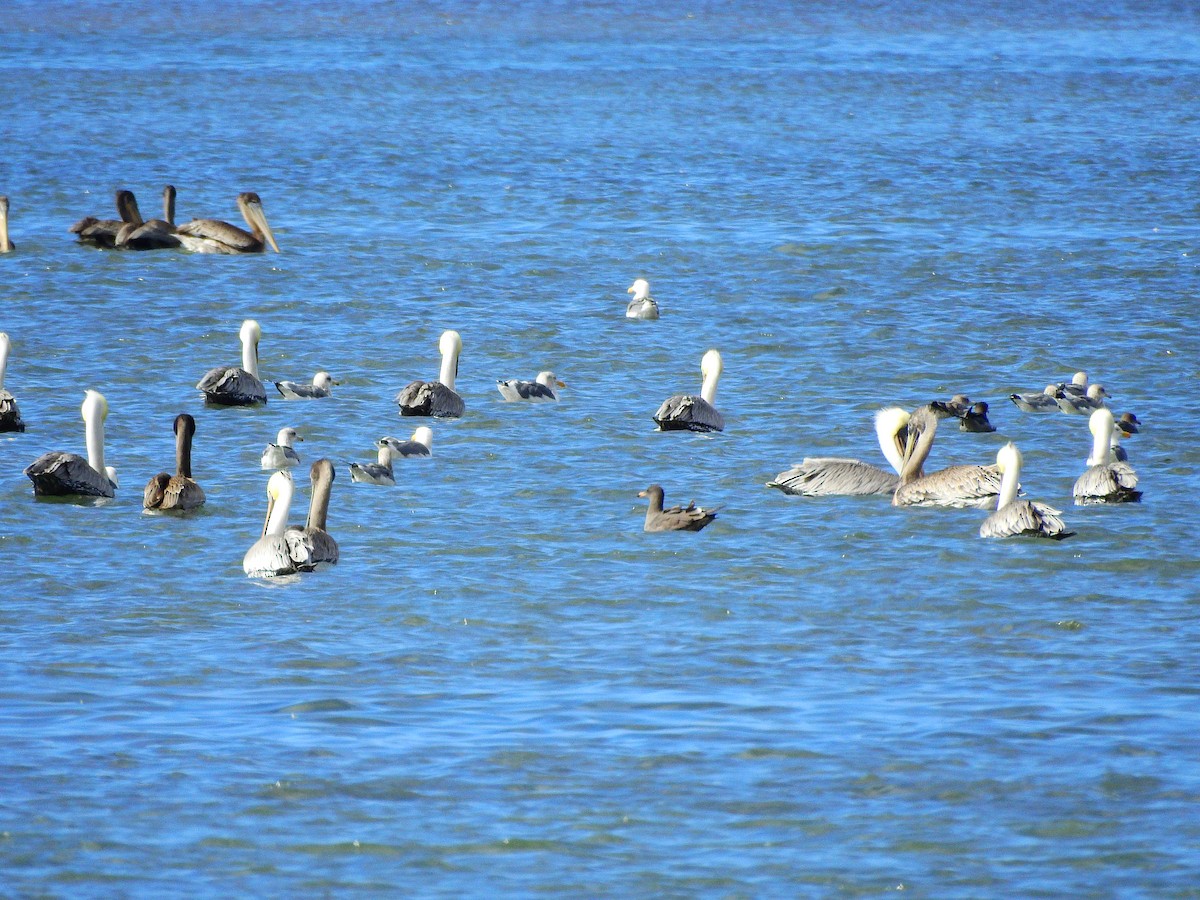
(904,438)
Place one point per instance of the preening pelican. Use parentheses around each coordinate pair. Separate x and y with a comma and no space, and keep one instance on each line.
(832,475)
(1043,402)
(176,491)
(675,518)
(687,412)
(233,386)
(279,551)
(153,234)
(10,415)
(58,474)
(957,486)
(975,419)
(420,445)
(540,389)
(281,454)
(1106,480)
(377,472)
(318,543)
(436,398)
(103,232)
(321,387)
(6,246)
(1014,517)
(215,236)
(642,306)
(1080,404)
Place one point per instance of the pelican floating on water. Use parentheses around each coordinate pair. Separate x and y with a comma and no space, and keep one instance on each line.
(958,486)
(233,386)
(377,472)
(178,491)
(821,476)
(215,236)
(642,306)
(279,551)
(436,398)
(103,232)
(675,518)
(6,245)
(58,474)
(319,545)
(976,419)
(1043,402)
(687,412)
(542,388)
(320,388)
(1014,517)
(10,415)
(153,234)
(1107,479)
(281,454)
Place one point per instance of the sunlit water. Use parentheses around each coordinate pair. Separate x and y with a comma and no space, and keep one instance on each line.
(505,686)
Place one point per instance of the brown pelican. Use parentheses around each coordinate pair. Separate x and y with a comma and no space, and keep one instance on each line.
(153,234)
(436,398)
(832,475)
(6,246)
(103,232)
(58,474)
(10,416)
(214,236)
(418,446)
(1042,402)
(294,390)
(976,419)
(279,551)
(1106,480)
(281,454)
(689,412)
(319,544)
(958,486)
(676,518)
(176,491)
(540,389)
(231,386)
(1014,517)
(377,472)
(642,306)
(1079,404)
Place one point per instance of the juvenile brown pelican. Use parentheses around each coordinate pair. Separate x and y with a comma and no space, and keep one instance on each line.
(6,246)
(436,398)
(832,475)
(233,386)
(58,474)
(215,236)
(958,404)
(418,446)
(642,306)
(103,232)
(1014,517)
(687,412)
(957,486)
(675,518)
(176,491)
(1106,480)
(1043,402)
(320,547)
(153,234)
(540,389)
(321,387)
(976,419)
(1080,404)
(10,415)
(281,454)
(377,472)
(279,551)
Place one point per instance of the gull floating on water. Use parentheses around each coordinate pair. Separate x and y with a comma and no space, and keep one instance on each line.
(833,475)
(436,398)
(1106,479)
(178,491)
(1014,517)
(215,236)
(542,388)
(420,445)
(279,551)
(379,472)
(1079,404)
(281,454)
(58,474)
(642,306)
(234,386)
(10,415)
(320,388)
(958,486)
(675,518)
(1042,402)
(687,412)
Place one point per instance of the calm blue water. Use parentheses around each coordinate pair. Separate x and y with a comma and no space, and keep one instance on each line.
(506,687)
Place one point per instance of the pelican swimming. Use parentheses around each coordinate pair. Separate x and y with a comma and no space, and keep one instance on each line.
(10,415)
(320,547)
(178,491)
(1106,479)
(279,551)
(420,445)
(377,472)
(103,232)
(1043,402)
(57,474)
(833,475)
(1078,404)
(436,398)
(281,454)
(689,412)
(153,234)
(642,306)
(233,386)
(321,386)
(958,486)
(215,236)
(976,419)
(540,389)
(675,518)
(6,246)
(1014,517)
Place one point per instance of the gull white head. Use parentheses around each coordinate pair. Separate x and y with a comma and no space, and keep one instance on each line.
(1008,461)
(1101,425)
(95,411)
(323,380)
(450,346)
(640,289)
(711,368)
(424,435)
(286,436)
(550,380)
(250,335)
(1079,379)
(888,424)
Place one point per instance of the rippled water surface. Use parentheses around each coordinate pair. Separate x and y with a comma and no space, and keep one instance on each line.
(505,686)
